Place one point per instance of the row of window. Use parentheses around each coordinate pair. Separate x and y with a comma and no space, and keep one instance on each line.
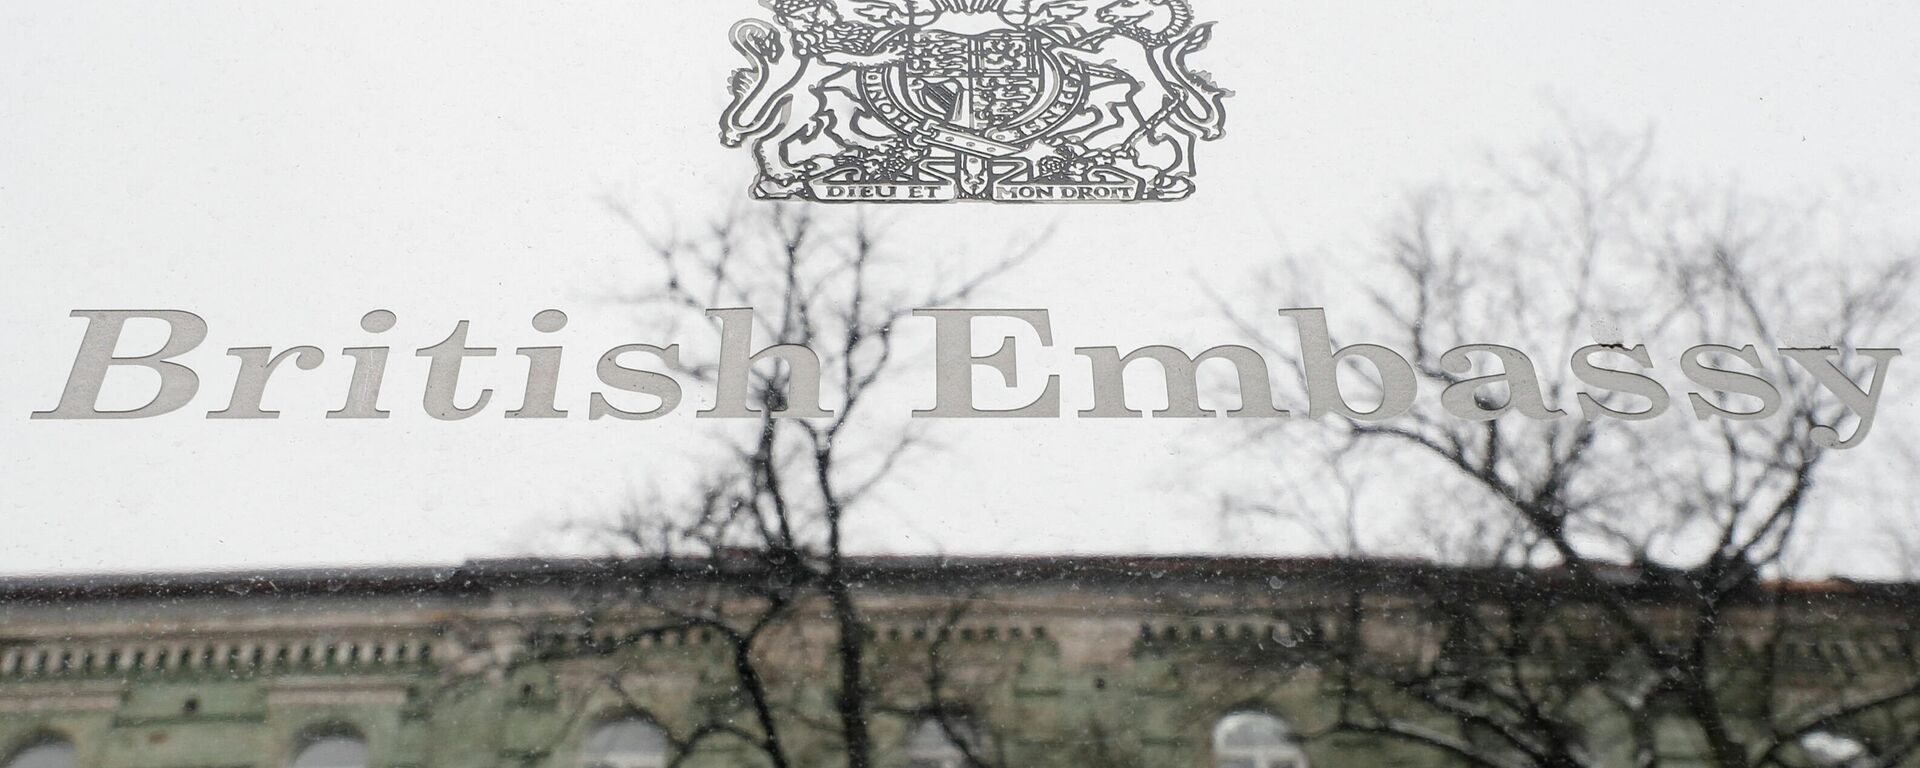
(1240,740)
(335,751)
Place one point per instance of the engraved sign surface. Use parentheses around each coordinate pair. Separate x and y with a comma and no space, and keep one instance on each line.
(921,101)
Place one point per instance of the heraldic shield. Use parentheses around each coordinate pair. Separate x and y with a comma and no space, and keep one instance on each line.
(922,101)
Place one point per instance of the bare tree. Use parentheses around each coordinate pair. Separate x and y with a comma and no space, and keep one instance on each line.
(1624,571)
(763,538)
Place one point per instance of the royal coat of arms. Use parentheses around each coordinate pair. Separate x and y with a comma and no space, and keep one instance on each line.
(1001,100)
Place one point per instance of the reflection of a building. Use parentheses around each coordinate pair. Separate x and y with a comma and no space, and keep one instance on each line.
(1184,662)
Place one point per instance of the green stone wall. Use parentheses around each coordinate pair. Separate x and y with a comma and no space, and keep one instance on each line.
(1058,676)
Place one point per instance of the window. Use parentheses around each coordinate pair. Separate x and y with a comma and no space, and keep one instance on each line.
(1832,750)
(332,750)
(628,742)
(47,752)
(1256,740)
(929,744)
